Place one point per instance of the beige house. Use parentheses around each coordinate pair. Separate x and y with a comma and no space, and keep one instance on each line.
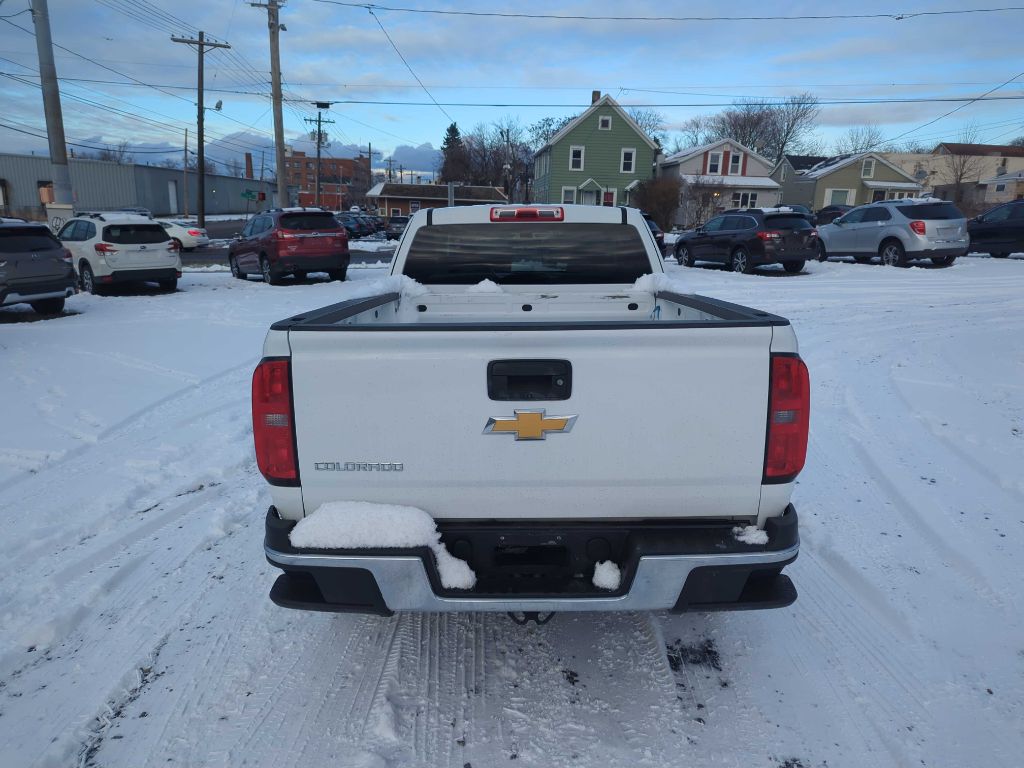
(853,179)
(716,176)
(952,162)
(1002,188)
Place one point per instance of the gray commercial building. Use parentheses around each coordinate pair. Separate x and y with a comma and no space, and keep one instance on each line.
(25,185)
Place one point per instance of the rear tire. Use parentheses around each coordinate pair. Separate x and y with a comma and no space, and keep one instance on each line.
(943,261)
(48,306)
(793,267)
(269,277)
(684,256)
(338,274)
(236,271)
(999,255)
(87,278)
(893,254)
(168,286)
(740,262)
(822,254)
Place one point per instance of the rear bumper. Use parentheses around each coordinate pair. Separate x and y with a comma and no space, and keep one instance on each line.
(682,567)
(37,290)
(139,275)
(938,253)
(319,263)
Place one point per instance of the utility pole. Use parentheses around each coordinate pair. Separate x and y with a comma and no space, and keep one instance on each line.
(184,173)
(391,164)
(319,141)
(275,27)
(51,105)
(201,44)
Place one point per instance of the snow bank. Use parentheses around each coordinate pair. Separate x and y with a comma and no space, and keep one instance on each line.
(660,282)
(485,286)
(607,575)
(207,268)
(750,534)
(362,524)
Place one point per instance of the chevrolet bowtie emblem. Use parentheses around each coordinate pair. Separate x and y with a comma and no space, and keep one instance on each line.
(529,425)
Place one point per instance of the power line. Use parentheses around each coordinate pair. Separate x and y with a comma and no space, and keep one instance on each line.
(407,64)
(371,7)
(653,105)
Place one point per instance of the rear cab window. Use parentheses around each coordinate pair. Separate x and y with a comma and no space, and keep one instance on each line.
(30,239)
(527,254)
(134,234)
(308,222)
(930,211)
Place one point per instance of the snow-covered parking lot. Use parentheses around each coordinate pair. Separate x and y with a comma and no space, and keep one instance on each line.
(135,628)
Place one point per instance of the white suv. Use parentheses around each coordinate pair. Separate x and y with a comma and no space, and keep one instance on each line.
(119,247)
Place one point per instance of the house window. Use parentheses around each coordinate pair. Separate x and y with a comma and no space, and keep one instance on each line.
(568,195)
(867,168)
(715,162)
(628,160)
(576,158)
(782,177)
(735,163)
(744,199)
(396,211)
(414,205)
(1000,187)
(604,122)
(838,197)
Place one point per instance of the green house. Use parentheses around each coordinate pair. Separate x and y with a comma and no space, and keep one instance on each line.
(596,159)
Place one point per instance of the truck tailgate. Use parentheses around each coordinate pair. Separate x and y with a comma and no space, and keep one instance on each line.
(670,422)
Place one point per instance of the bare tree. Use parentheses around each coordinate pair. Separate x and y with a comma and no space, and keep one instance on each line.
(700,199)
(961,172)
(169,162)
(651,122)
(543,130)
(1018,142)
(692,133)
(116,154)
(791,124)
(859,138)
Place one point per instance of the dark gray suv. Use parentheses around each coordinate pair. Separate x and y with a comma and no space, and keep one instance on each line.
(35,268)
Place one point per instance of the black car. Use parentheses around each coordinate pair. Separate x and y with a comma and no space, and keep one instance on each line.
(749,238)
(830,213)
(998,231)
(35,267)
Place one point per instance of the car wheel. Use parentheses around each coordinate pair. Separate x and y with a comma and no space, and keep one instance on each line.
(268,274)
(943,261)
(87,278)
(169,286)
(892,254)
(822,254)
(862,259)
(338,274)
(684,256)
(236,271)
(740,262)
(999,255)
(793,267)
(48,306)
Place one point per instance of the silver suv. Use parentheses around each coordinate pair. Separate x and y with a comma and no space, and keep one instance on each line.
(897,232)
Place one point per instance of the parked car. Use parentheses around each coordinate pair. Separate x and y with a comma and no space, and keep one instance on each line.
(830,213)
(121,247)
(292,241)
(750,238)
(998,231)
(369,224)
(897,232)
(659,236)
(348,221)
(187,236)
(35,268)
(396,226)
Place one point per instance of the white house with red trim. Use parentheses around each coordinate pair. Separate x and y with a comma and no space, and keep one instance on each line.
(716,176)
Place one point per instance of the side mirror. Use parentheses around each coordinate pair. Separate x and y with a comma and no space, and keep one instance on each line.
(238,235)
(837,222)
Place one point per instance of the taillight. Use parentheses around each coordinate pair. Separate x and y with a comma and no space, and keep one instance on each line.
(917,227)
(67,256)
(272,427)
(813,233)
(769,234)
(104,248)
(789,404)
(282,235)
(172,245)
(196,232)
(533,213)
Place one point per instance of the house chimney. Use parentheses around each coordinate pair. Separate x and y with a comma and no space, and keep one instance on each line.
(595,96)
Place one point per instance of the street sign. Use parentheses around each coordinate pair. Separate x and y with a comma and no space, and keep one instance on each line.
(249,194)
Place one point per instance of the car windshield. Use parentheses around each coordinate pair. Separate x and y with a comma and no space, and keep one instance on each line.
(787,222)
(308,221)
(399,220)
(134,234)
(930,211)
(527,254)
(21,239)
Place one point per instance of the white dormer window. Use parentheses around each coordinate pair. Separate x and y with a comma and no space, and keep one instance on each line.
(867,168)
(735,163)
(576,158)
(604,122)
(715,163)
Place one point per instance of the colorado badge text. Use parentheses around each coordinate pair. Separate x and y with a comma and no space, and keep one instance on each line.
(529,424)
(358,466)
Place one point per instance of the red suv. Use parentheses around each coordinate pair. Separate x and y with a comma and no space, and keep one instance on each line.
(290,241)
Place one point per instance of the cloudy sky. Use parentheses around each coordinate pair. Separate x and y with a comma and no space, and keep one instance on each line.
(124,80)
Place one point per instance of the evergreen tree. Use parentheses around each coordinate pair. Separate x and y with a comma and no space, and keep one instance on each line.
(455,159)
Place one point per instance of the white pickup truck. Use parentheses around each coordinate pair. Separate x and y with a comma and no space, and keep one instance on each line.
(579,433)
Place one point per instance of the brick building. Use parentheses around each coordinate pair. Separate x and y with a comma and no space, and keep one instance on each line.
(343,181)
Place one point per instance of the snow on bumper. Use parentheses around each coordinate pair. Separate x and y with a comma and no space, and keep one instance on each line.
(688,568)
